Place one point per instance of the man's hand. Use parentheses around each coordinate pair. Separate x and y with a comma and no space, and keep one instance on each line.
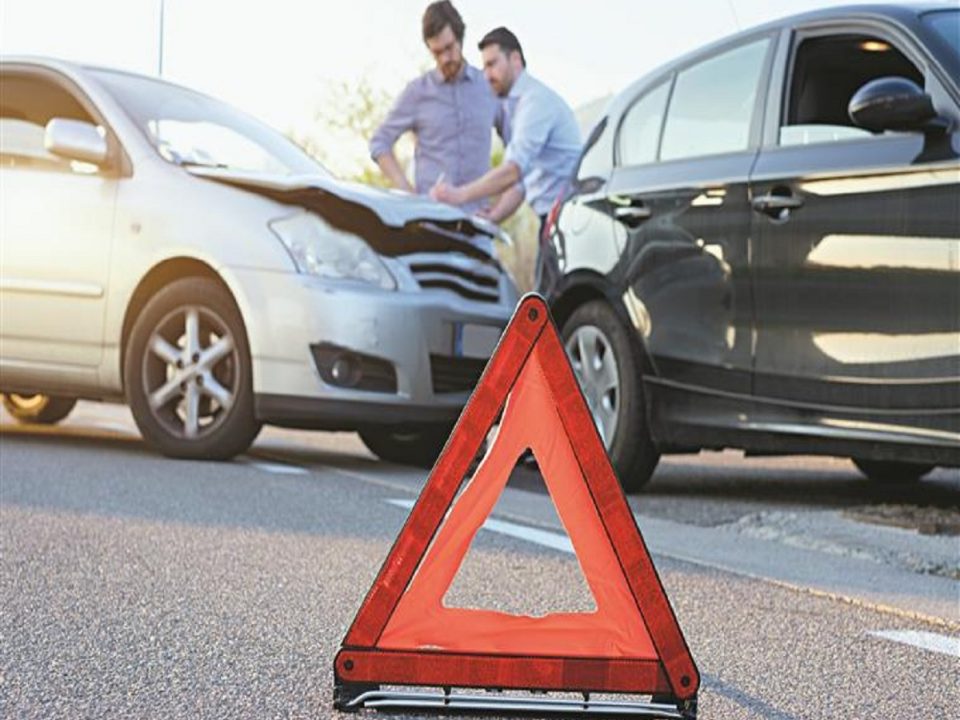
(391,168)
(506,204)
(445,193)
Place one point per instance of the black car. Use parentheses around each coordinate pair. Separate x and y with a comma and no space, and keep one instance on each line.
(760,248)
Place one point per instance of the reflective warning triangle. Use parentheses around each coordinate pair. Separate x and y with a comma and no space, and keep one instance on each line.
(403,633)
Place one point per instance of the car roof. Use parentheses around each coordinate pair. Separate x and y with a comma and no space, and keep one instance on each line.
(904,14)
(74,68)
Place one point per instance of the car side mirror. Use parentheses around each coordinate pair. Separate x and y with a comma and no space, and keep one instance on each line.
(76,140)
(891,103)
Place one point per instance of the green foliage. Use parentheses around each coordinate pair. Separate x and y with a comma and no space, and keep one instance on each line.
(356,107)
(343,123)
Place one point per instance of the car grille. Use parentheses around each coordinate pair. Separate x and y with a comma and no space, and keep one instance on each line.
(467,277)
(455,374)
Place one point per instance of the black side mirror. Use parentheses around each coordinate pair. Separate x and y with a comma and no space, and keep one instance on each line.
(891,103)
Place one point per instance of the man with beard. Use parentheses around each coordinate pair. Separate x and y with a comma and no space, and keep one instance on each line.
(451,111)
(540,132)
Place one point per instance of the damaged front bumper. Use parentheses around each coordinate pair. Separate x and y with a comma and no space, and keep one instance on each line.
(343,354)
(340,356)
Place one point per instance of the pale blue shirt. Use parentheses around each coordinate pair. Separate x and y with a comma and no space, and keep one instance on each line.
(452,122)
(542,139)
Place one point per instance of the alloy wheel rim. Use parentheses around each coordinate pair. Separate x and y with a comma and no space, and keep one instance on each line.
(191,372)
(595,365)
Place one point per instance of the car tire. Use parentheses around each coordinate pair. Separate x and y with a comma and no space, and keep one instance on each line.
(419,447)
(607,365)
(188,373)
(892,472)
(38,409)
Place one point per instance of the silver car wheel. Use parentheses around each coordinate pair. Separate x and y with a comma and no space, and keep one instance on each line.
(595,365)
(190,372)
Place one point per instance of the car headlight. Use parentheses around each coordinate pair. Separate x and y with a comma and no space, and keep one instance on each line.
(318,248)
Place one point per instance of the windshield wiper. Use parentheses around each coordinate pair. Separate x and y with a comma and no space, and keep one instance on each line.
(196,163)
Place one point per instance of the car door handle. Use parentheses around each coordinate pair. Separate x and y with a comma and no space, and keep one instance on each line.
(632,215)
(775,203)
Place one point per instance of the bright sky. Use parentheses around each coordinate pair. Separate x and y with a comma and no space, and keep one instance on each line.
(277,59)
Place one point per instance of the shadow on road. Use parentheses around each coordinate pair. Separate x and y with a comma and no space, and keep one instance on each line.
(707,489)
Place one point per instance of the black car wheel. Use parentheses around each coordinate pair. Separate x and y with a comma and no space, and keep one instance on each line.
(606,365)
(419,447)
(891,472)
(40,409)
(188,373)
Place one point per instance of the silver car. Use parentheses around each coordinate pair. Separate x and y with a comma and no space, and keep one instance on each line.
(161,247)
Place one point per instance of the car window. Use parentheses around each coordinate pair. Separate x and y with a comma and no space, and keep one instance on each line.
(712,106)
(27,104)
(827,71)
(946,25)
(640,129)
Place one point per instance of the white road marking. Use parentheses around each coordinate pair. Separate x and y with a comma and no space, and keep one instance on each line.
(551,540)
(933,642)
(942,643)
(116,427)
(279,469)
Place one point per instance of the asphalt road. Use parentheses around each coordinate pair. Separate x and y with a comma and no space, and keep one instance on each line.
(136,586)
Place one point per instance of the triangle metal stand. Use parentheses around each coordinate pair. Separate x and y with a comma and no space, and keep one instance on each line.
(350,698)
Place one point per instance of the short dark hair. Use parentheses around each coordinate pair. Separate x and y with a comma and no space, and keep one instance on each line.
(505,39)
(440,14)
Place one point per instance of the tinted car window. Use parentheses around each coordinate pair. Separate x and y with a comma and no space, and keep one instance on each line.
(640,130)
(946,24)
(712,104)
(27,104)
(826,73)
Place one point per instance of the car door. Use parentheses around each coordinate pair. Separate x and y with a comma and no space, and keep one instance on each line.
(57,224)
(857,263)
(679,198)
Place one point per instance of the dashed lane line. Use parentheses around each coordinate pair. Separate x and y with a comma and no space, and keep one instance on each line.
(562,543)
(278,468)
(932,642)
(534,535)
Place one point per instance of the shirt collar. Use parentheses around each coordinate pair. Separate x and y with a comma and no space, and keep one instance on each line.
(467,72)
(520,85)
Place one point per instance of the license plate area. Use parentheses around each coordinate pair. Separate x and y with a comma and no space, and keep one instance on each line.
(471,340)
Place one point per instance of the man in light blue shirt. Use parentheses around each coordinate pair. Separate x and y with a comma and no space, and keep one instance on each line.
(450,109)
(540,131)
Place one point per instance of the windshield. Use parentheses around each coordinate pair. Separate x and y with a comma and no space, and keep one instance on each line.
(188,128)
(946,24)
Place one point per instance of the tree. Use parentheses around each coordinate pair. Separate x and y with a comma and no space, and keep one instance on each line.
(345,119)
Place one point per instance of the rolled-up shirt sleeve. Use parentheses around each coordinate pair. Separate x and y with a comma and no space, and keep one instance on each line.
(401,118)
(528,134)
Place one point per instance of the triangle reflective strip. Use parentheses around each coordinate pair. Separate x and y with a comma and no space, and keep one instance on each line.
(403,634)
(614,630)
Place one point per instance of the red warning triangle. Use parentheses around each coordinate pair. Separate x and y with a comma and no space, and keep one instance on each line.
(404,634)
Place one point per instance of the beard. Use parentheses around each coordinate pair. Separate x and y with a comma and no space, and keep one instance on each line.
(451,69)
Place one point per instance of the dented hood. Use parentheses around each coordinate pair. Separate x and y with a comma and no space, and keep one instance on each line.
(393,207)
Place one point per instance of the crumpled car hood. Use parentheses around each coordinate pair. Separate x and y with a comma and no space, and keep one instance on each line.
(392,207)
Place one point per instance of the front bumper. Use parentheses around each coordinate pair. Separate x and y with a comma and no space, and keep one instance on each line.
(287,314)
(328,414)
